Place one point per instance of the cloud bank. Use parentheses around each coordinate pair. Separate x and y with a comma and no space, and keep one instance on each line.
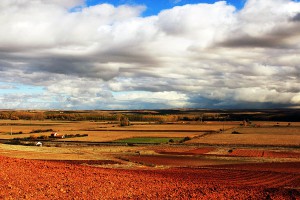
(106,57)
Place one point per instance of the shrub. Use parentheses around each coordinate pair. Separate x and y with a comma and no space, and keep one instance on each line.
(40,131)
(32,137)
(43,137)
(124,121)
(14,118)
(77,135)
(185,139)
(15,141)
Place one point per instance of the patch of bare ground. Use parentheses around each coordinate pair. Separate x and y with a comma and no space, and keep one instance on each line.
(178,160)
(27,179)
(184,150)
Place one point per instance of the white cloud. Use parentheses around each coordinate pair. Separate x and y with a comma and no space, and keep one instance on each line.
(296,99)
(181,57)
(164,99)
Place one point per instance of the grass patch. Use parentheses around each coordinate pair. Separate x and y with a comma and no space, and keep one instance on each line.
(151,140)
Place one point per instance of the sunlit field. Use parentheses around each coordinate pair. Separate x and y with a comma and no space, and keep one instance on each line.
(210,153)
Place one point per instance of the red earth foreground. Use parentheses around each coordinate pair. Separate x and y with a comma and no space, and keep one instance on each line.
(33,179)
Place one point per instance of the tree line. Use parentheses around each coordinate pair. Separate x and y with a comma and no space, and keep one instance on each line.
(269,115)
(104,116)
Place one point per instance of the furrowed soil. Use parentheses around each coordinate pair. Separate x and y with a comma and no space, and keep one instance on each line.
(28,179)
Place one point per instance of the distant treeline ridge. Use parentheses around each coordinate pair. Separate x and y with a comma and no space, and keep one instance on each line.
(157,116)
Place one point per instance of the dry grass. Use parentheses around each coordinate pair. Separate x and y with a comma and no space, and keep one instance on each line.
(270,135)
(107,131)
(252,139)
(270,130)
(64,153)
(144,156)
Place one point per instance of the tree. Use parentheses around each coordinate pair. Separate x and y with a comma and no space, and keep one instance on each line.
(124,121)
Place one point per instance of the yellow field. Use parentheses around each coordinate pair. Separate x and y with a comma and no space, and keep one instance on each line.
(210,133)
(107,131)
(65,153)
(269,133)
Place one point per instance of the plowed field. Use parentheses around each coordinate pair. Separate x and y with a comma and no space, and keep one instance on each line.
(185,151)
(264,153)
(28,179)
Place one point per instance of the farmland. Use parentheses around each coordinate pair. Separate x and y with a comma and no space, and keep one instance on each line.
(175,159)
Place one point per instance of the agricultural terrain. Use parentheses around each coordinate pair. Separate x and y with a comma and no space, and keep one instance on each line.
(161,158)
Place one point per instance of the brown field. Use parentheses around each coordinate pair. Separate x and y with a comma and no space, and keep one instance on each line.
(268,134)
(253,139)
(179,161)
(23,179)
(258,163)
(106,131)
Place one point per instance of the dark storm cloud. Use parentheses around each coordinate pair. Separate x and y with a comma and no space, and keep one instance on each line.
(72,67)
(296,18)
(275,38)
(4,65)
(201,102)
(248,41)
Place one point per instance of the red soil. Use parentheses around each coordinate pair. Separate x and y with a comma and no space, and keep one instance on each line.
(284,167)
(263,153)
(274,154)
(185,151)
(247,153)
(175,160)
(87,162)
(200,151)
(235,152)
(28,179)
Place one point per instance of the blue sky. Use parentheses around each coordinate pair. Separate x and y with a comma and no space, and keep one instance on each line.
(154,7)
(76,54)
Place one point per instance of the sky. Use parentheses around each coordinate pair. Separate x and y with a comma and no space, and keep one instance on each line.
(135,54)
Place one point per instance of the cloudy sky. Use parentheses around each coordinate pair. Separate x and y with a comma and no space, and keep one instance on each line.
(145,54)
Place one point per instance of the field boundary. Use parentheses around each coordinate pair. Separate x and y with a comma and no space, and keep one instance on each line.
(137,130)
(88,143)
